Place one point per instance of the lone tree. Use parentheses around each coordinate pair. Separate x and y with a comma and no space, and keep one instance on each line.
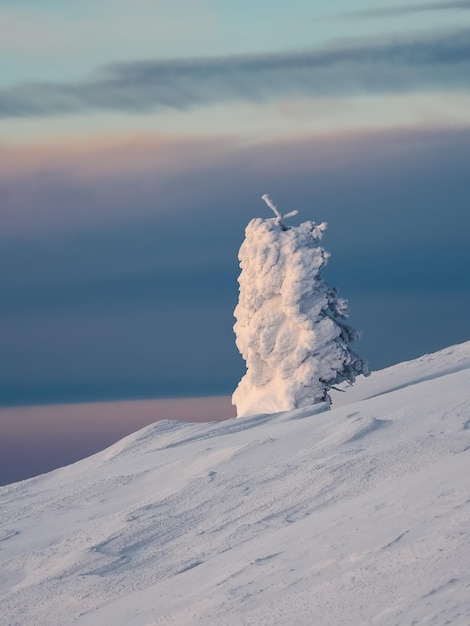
(289,323)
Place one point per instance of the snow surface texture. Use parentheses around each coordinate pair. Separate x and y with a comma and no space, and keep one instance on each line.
(289,328)
(356,516)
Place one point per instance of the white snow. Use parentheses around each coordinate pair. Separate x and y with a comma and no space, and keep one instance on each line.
(357,515)
(288,321)
(271,204)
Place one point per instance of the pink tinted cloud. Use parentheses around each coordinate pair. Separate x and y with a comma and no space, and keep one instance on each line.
(110,155)
(114,156)
(72,186)
(69,185)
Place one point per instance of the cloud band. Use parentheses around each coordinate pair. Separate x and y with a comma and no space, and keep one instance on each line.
(440,61)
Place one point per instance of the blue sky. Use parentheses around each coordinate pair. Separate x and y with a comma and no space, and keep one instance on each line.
(136,138)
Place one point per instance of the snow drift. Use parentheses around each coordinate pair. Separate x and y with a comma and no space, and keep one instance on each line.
(356,516)
(289,326)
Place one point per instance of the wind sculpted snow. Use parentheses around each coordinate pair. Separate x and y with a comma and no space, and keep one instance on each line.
(289,324)
(357,515)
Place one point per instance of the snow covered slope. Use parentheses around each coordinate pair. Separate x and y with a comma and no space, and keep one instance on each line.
(358,515)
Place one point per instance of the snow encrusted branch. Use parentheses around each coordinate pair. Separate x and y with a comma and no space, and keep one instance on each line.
(272,205)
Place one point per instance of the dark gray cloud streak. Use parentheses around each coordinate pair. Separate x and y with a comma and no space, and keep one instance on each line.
(406,64)
(409,9)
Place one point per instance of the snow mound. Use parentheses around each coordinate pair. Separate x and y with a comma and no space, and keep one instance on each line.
(289,328)
(358,515)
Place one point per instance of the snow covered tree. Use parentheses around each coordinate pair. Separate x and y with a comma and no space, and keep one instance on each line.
(289,323)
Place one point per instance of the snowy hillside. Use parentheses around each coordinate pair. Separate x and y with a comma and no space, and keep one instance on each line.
(358,515)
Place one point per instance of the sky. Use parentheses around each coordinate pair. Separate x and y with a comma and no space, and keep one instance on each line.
(136,140)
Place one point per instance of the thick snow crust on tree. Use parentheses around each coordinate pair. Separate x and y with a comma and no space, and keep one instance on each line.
(289,326)
(362,518)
